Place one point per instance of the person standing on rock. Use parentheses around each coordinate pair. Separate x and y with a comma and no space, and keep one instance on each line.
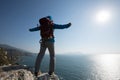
(47,28)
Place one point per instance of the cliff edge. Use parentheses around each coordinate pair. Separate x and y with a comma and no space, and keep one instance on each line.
(23,72)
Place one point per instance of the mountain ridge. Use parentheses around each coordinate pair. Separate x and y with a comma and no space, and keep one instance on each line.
(13,50)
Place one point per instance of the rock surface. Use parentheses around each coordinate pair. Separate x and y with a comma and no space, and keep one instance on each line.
(15,73)
(22,72)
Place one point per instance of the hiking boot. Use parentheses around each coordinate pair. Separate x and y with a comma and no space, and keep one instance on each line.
(51,73)
(37,73)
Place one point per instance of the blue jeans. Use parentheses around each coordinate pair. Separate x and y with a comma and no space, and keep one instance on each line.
(43,47)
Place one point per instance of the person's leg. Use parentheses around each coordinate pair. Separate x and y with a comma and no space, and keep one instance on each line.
(40,57)
(52,57)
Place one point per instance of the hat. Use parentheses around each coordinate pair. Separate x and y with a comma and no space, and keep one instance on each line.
(49,17)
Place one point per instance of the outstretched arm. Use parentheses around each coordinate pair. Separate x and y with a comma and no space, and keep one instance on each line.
(57,26)
(34,29)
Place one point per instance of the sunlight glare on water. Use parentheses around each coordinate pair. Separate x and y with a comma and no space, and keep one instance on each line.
(108,66)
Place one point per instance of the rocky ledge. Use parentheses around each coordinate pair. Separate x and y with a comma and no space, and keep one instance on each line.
(16,72)
(23,72)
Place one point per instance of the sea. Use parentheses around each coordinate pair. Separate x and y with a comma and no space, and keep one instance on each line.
(81,67)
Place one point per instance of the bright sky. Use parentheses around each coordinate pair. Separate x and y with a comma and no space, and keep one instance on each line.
(95,24)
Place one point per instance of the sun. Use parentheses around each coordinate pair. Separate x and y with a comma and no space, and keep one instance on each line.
(103,16)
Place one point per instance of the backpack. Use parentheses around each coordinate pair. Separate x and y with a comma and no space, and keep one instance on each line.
(46,28)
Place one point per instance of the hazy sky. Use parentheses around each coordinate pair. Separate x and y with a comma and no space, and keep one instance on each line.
(95,24)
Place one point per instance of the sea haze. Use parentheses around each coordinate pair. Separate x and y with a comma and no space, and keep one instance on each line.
(81,67)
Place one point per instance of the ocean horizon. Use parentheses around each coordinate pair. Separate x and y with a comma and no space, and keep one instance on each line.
(81,67)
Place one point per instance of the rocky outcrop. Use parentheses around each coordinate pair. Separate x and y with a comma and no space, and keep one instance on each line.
(16,72)
(22,72)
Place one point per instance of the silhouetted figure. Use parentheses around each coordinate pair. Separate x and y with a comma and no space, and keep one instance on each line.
(47,41)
